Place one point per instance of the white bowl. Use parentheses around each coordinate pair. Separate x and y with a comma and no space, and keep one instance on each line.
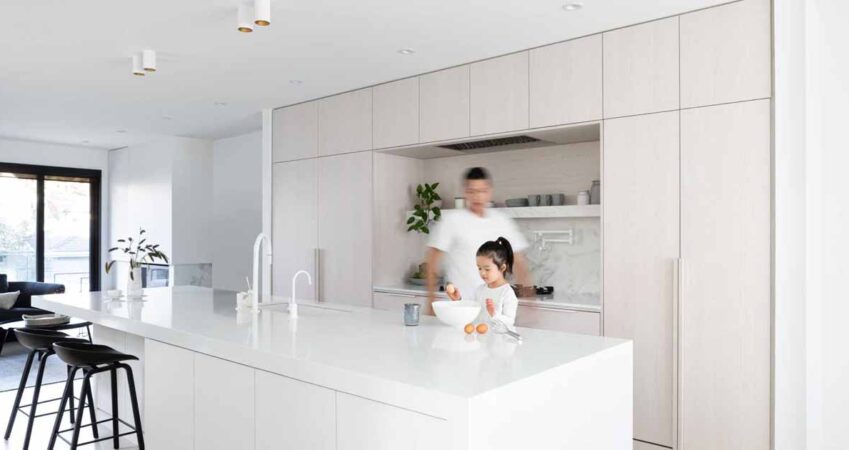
(456,314)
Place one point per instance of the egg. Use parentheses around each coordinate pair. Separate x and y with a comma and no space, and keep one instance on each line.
(450,289)
(482,328)
(469,328)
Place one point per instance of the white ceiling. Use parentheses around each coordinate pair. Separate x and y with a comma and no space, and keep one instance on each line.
(65,71)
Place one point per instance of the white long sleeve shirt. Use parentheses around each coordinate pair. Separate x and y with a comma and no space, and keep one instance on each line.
(504,300)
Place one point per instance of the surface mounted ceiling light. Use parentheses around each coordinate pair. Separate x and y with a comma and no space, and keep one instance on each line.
(245,23)
(406,51)
(137,66)
(149,60)
(262,12)
(573,6)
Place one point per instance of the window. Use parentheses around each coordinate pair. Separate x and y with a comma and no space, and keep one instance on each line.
(50,225)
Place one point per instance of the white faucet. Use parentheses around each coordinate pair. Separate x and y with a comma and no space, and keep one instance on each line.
(257,246)
(293,304)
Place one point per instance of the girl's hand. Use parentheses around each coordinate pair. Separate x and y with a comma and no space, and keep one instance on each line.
(490,307)
(452,291)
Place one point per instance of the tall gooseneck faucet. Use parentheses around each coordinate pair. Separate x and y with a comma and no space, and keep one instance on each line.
(268,252)
(293,305)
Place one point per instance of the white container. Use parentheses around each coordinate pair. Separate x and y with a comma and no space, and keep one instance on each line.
(459,202)
(584,198)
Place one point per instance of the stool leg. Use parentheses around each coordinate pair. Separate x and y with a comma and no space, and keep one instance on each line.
(69,392)
(91,414)
(21,387)
(35,393)
(113,374)
(71,400)
(80,410)
(135,403)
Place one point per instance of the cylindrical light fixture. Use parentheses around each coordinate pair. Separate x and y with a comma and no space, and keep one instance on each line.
(137,66)
(246,25)
(149,60)
(262,12)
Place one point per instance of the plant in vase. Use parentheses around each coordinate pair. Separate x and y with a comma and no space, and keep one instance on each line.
(425,211)
(138,251)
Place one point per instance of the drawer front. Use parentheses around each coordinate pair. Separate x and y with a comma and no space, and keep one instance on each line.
(579,322)
(395,302)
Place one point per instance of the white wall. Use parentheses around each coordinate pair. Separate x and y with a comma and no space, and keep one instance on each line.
(827,93)
(236,208)
(191,202)
(44,154)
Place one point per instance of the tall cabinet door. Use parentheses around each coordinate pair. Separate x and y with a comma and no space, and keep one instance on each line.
(725,277)
(345,228)
(641,247)
(294,225)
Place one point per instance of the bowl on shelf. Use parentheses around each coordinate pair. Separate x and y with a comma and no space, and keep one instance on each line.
(456,314)
(517,202)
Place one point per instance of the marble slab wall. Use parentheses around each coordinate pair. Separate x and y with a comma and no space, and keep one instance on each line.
(192,275)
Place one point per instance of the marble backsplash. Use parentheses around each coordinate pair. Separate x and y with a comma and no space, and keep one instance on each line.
(192,275)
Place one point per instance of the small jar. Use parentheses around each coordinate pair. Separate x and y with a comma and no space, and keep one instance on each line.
(459,202)
(584,198)
(595,193)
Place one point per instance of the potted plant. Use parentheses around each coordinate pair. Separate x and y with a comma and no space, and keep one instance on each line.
(425,211)
(138,251)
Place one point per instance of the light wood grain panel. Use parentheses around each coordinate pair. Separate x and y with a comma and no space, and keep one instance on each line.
(499,94)
(344,123)
(725,277)
(294,224)
(396,113)
(578,322)
(444,104)
(295,132)
(641,238)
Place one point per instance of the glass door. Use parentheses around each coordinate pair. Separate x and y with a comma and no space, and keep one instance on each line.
(50,225)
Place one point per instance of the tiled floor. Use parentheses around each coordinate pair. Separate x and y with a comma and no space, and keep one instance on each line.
(44,425)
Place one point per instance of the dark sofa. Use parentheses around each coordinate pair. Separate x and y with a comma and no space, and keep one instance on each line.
(28,289)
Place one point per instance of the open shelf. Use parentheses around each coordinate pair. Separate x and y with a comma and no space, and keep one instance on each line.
(545,212)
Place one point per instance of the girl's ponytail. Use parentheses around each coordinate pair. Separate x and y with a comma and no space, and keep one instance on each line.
(500,251)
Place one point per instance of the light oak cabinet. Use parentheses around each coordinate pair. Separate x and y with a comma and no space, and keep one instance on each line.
(726,54)
(224,405)
(641,69)
(499,94)
(395,302)
(345,228)
(295,132)
(293,415)
(294,224)
(396,113)
(567,321)
(168,396)
(365,424)
(444,104)
(640,258)
(344,123)
(565,82)
(724,306)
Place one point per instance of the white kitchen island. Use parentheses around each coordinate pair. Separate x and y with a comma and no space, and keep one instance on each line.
(352,378)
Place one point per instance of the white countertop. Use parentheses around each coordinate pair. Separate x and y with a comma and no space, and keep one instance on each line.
(360,350)
(575,302)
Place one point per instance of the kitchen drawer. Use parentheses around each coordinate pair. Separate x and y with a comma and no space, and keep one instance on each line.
(395,302)
(579,322)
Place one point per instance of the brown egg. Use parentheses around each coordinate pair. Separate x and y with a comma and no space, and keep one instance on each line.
(482,328)
(469,328)
(449,289)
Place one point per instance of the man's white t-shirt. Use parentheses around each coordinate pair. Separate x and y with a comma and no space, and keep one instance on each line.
(460,233)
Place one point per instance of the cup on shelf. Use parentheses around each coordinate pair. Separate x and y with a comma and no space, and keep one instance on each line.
(546,200)
(534,199)
(584,198)
(558,199)
(459,202)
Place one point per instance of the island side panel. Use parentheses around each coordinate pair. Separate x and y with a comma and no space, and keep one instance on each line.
(101,388)
(583,405)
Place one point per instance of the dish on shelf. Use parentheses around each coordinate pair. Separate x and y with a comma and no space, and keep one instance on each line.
(517,202)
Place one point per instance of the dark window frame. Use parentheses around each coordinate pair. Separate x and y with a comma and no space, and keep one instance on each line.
(94,178)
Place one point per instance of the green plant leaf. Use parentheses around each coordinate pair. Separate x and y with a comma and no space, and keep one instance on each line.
(113,249)
(434,185)
(411,220)
(419,190)
(122,240)
(425,229)
(109,265)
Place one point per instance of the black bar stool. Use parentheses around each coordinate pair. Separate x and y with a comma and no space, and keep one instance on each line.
(40,343)
(94,359)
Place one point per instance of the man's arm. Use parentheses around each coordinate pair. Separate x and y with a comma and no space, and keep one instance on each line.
(520,268)
(434,256)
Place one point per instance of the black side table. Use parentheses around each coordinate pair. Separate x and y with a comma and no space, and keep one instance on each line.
(9,327)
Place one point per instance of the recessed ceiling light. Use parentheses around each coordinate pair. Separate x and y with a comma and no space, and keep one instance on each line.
(573,6)
(406,51)
(84,141)
(295,82)
(220,103)
(121,130)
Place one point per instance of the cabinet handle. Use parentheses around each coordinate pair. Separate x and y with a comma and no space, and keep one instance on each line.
(678,395)
(317,271)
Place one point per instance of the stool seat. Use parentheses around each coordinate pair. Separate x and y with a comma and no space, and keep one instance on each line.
(83,354)
(43,340)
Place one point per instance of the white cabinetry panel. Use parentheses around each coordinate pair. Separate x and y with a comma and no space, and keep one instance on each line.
(169,377)
(565,82)
(444,104)
(367,425)
(292,415)
(294,224)
(344,123)
(396,113)
(640,249)
(641,69)
(725,277)
(295,132)
(499,94)
(224,405)
(579,322)
(726,54)
(345,227)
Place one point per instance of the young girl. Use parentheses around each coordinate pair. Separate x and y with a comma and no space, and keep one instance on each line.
(495,261)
